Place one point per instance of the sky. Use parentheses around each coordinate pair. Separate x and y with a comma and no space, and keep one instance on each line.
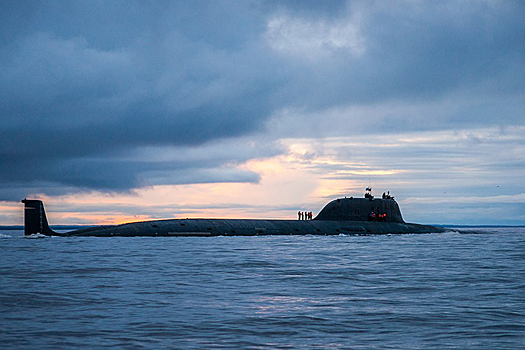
(117,111)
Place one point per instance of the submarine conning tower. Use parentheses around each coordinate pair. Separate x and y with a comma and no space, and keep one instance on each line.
(361,209)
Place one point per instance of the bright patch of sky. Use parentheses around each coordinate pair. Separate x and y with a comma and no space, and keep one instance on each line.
(314,40)
(448,176)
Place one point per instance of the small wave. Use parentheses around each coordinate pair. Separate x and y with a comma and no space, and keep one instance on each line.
(35,235)
(473,232)
(450,230)
(5,236)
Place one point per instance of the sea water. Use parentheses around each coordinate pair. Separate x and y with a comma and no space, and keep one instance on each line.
(428,291)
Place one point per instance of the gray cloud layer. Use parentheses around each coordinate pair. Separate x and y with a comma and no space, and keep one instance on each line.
(85,86)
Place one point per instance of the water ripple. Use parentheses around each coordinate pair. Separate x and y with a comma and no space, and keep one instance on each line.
(437,291)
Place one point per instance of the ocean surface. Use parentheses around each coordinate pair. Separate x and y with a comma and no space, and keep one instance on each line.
(430,291)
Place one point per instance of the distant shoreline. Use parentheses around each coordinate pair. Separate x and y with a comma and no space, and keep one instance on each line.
(477,226)
(56,227)
(76,227)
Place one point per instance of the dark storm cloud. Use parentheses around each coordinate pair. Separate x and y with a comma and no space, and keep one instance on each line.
(85,84)
(411,51)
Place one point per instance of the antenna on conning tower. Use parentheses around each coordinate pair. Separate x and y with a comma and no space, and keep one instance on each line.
(368,193)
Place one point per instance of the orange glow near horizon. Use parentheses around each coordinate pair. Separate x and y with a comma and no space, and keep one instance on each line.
(303,178)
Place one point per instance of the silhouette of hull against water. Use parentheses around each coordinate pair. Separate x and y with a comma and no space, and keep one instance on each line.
(341,216)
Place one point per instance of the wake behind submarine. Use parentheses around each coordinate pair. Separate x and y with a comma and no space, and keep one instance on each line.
(367,215)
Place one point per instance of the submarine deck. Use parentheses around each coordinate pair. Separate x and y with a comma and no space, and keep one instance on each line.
(251,227)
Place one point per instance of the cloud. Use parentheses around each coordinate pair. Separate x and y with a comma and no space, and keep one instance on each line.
(74,106)
(117,96)
(317,40)
(470,176)
(466,163)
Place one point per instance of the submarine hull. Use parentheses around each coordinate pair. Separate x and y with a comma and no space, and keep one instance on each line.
(239,227)
(341,216)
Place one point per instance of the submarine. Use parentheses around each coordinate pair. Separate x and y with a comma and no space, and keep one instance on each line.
(351,216)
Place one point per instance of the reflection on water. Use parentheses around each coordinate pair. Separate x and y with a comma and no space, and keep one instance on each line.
(433,291)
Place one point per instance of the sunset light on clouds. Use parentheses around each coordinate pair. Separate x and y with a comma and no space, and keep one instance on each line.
(260,109)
